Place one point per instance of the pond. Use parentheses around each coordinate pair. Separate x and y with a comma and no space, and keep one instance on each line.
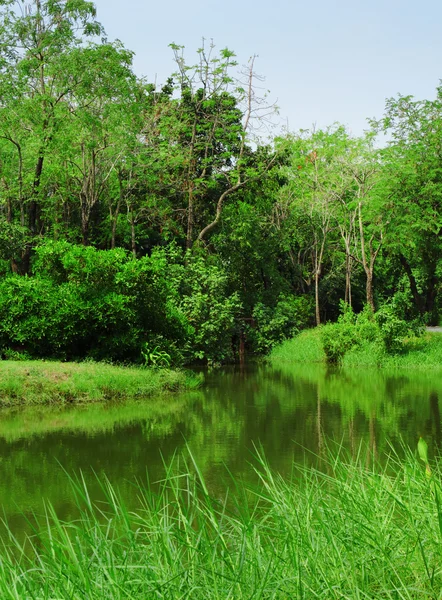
(290,411)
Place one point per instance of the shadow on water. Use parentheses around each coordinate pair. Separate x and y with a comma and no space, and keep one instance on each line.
(292,411)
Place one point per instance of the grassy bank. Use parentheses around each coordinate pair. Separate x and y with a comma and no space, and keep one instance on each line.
(423,353)
(46,382)
(341,532)
(306,347)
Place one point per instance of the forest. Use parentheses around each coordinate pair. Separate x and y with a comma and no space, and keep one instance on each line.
(163,222)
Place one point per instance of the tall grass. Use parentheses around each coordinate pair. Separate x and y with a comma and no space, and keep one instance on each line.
(340,532)
(306,347)
(47,382)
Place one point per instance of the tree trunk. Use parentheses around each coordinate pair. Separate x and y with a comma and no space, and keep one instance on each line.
(369,289)
(114,216)
(85,231)
(85,217)
(189,237)
(348,266)
(33,204)
(413,286)
(317,312)
(32,214)
(430,301)
(242,348)
(132,233)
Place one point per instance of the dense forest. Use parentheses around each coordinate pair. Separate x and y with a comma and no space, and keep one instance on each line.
(144,222)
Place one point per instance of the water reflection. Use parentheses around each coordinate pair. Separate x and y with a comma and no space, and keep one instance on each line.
(292,411)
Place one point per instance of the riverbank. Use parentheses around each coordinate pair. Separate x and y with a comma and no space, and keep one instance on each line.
(341,531)
(423,352)
(48,382)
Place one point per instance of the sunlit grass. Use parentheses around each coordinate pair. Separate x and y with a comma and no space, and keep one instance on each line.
(306,347)
(419,352)
(341,531)
(45,382)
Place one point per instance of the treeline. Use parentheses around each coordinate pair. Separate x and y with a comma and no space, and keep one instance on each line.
(138,219)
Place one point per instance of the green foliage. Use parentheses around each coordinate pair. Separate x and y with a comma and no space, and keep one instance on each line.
(366,325)
(306,347)
(385,330)
(91,154)
(273,324)
(154,357)
(13,240)
(393,329)
(40,318)
(210,309)
(10,354)
(337,339)
(86,302)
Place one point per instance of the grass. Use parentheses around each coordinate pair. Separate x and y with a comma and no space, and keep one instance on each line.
(423,353)
(306,347)
(47,382)
(342,532)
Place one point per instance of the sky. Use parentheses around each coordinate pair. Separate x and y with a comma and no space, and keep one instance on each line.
(323,61)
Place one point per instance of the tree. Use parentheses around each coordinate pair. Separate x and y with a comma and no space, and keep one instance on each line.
(317,185)
(368,220)
(70,107)
(214,113)
(35,86)
(413,188)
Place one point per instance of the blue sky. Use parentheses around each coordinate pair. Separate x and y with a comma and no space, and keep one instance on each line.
(323,61)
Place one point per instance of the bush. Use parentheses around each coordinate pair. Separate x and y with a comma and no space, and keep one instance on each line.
(41,318)
(385,328)
(273,324)
(393,330)
(337,339)
(211,310)
(86,302)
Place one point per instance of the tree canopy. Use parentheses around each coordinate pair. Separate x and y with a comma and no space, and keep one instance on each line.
(133,213)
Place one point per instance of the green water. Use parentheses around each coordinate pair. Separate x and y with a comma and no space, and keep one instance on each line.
(289,410)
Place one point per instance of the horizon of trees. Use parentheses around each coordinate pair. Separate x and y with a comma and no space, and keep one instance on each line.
(157,215)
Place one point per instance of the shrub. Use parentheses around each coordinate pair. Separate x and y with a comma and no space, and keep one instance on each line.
(385,328)
(86,302)
(273,324)
(210,309)
(393,330)
(337,339)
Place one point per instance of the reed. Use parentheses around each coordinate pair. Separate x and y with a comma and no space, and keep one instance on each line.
(337,531)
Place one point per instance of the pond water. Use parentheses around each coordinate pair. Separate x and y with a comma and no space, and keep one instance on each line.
(290,411)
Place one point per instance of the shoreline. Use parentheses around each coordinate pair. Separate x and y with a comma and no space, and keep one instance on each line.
(24,383)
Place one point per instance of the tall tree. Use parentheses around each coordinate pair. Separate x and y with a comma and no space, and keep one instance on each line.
(413,187)
(215,113)
(317,184)
(35,86)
